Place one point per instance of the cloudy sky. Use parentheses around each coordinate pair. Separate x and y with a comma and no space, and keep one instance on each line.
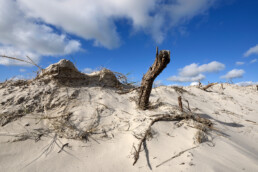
(209,40)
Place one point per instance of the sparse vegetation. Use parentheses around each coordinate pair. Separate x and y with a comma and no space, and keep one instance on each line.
(63,103)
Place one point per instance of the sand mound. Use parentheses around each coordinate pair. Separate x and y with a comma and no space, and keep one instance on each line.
(65,73)
(65,120)
(47,91)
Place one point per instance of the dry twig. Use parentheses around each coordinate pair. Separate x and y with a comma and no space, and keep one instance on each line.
(177,155)
(21,60)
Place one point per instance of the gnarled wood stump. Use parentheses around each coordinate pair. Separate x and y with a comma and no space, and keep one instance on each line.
(160,63)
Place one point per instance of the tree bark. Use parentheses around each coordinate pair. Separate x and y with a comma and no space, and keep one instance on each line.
(160,63)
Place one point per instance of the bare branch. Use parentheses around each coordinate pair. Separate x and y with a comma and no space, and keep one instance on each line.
(168,118)
(208,86)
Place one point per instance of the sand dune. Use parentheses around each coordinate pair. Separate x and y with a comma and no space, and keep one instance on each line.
(64,120)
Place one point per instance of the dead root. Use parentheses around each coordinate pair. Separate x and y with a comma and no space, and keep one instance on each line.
(208,86)
(178,117)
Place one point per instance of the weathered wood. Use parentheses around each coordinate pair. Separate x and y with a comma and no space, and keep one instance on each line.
(208,86)
(160,63)
(257,87)
(180,104)
(177,117)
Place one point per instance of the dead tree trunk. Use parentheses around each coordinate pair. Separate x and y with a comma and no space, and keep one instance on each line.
(160,63)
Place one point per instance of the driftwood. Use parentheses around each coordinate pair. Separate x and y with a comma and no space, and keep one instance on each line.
(160,63)
(208,86)
(180,117)
(257,87)
(180,104)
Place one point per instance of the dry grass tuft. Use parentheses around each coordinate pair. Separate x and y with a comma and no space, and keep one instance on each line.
(200,137)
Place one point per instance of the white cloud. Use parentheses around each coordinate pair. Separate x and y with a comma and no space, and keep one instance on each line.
(88,70)
(240,63)
(194,72)
(199,77)
(15,52)
(27,36)
(235,73)
(194,84)
(253,61)
(246,83)
(25,24)
(95,19)
(251,51)
(22,70)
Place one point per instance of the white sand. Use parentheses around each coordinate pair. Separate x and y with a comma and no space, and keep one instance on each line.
(115,119)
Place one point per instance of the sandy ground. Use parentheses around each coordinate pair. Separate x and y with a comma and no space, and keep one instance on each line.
(55,127)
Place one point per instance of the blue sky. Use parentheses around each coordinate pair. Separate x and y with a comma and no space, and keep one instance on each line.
(209,40)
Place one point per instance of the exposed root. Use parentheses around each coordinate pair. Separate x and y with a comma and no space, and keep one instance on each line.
(64,145)
(208,86)
(177,155)
(179,117)
(188,106)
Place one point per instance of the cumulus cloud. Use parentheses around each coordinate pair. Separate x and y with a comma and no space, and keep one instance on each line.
(88,70)
(194,84)
(16,52)
(240,63)
(199,77)
(40,27)
(253,61)
(95,20)
(246,83)
(251,51)
(235,73)
(194,71)
(21,36)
